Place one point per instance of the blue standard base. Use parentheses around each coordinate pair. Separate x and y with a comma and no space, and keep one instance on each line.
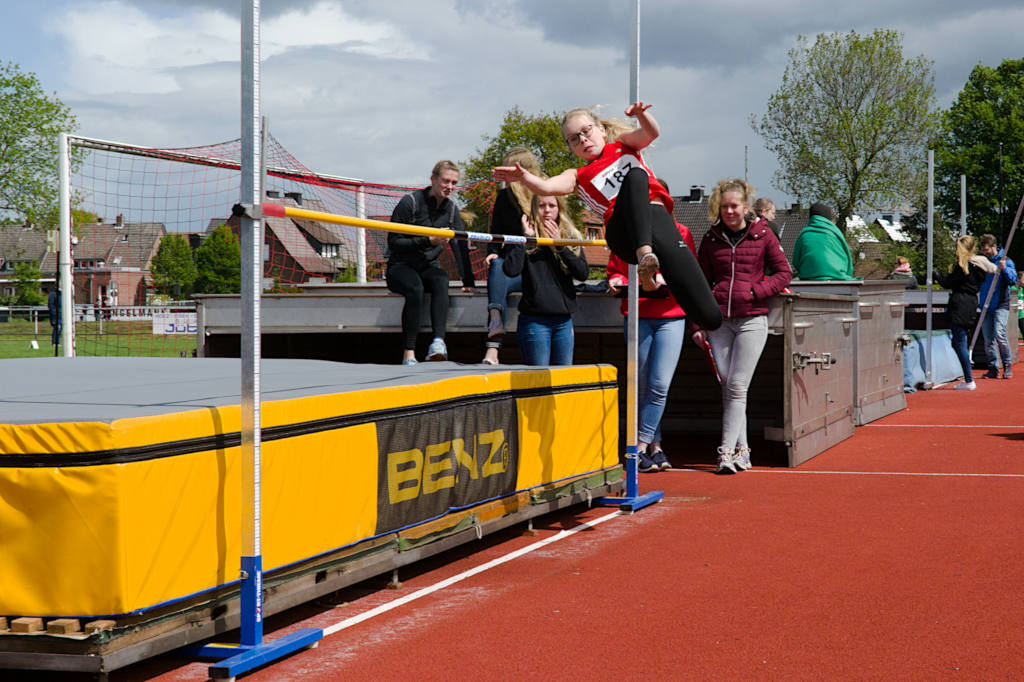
(240,659)
(632,500)
(632,503)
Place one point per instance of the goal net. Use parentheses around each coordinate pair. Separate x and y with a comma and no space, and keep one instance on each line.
(128,200)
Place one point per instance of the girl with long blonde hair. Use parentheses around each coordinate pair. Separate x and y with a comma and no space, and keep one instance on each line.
(616,183)
(545,331)
(964,280)
(745,266)
(511,204)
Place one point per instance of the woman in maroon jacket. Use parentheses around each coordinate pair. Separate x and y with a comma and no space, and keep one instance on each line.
(735,255)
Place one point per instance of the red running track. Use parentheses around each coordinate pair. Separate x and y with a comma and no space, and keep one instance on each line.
(894,555)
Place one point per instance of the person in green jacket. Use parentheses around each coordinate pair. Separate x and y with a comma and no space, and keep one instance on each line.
(821,251)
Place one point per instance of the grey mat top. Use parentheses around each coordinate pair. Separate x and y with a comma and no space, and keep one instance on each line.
(39,390)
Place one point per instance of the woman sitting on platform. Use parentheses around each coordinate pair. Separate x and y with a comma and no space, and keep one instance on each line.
(511,204)
(545,332)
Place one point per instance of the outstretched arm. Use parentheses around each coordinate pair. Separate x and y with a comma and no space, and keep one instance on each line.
(563,183)
(638,138)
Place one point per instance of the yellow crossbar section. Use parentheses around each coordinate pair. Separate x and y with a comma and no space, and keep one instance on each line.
(278,211)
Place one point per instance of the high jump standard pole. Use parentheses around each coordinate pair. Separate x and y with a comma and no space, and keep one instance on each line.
(632,500)
(251,651)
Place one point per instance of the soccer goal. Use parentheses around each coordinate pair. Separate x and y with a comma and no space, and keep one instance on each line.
(125,201)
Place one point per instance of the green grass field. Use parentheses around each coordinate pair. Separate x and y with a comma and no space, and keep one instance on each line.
(109,338)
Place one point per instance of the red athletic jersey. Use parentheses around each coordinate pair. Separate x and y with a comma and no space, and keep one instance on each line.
(598,183)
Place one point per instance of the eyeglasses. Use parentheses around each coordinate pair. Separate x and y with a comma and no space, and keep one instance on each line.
(578,138)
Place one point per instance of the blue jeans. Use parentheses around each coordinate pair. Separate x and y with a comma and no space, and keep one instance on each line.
(959,340)
(545,340)
(499,286)
(736,347)
(659,342)
(993,328)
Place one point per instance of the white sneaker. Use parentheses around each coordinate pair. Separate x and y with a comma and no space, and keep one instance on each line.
(437,351)
(725,462)
(965,386)
(741,459)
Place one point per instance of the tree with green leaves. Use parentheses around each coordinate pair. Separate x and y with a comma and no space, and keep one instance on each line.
(30,123)
(851,121)
(986,115)
(174,271)
(219,263)
(26,282)
(915,225)
(541,134)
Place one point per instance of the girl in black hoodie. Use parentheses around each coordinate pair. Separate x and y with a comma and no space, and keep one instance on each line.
(545,332)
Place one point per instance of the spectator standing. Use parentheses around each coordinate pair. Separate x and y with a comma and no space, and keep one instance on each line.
(765,208)
(903,273)
(821,251)
(995,318)
(414,267)
(512,202)
(1019,291)
(53,305)
(735,256)
(545,331)
(661,326)
(964,280)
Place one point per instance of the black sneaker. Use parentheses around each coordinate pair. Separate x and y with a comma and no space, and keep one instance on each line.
(645,464)
(991,374)
(659,458)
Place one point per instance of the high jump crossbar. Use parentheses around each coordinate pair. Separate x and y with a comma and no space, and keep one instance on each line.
(279,211)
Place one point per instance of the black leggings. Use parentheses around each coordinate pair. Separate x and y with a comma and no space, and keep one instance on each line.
(412,283)
(636,222)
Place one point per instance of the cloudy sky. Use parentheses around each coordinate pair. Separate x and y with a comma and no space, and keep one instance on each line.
(381,90)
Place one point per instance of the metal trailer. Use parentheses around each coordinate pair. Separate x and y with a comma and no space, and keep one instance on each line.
(815,370)
(877,339)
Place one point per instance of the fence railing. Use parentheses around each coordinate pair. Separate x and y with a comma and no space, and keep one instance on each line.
(142,331)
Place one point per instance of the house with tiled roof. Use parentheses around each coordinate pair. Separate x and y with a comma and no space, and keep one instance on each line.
(593,228)
(25,244)
(112,262)
(692,210)
(292,247)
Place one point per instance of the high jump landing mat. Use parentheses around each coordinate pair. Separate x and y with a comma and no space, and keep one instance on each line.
(120,484)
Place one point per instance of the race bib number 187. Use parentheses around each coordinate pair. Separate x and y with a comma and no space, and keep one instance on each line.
(609,181)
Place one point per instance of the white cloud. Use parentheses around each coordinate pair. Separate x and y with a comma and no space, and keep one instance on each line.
(381,90)
(326,24)
(115,47)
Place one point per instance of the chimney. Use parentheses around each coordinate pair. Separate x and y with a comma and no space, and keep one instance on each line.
(696,193)
(119,221)
(796,207)
(294,196)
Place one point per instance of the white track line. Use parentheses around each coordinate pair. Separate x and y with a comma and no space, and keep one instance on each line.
(867,473)
(945,426)
(384,608)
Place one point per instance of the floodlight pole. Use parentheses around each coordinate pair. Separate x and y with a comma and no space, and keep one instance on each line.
(633,500)
(963,205)
(928,278)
